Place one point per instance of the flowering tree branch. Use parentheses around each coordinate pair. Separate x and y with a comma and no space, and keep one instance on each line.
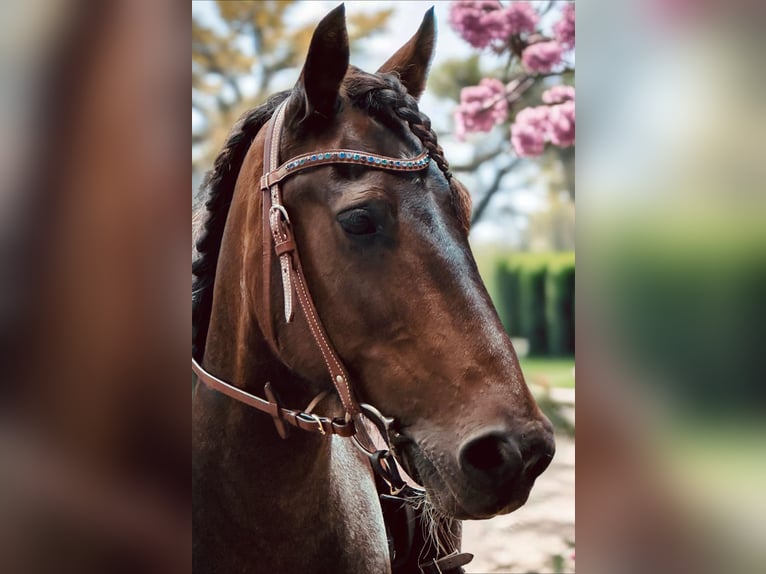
(494,187)
(476,161)
(514,29)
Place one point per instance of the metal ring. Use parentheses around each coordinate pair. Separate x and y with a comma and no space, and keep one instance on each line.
(379,421)
(281,209)
(368,450)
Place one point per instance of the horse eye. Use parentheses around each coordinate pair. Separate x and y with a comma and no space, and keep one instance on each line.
(357,222)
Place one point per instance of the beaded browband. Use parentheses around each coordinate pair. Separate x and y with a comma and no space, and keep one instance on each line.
(332,156)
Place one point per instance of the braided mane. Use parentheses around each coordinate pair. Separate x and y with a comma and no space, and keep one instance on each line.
(219,184)
(385,98)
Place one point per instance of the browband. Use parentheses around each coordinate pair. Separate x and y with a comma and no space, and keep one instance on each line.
(331,156)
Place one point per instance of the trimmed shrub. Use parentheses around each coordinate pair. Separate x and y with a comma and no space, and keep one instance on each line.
(559,305)
(488,261)
(531,275)
(508,295)
(534,297)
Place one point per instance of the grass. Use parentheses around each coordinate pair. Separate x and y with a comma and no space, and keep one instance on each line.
(553,371)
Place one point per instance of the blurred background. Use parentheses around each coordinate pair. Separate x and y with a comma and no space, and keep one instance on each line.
(672,262)
(94,232)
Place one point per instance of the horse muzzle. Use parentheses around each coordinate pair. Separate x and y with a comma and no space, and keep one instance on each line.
(491,473)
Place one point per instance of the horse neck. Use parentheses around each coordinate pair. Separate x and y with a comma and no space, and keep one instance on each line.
(266,504)
(259,501)
(236,349)
(248,483)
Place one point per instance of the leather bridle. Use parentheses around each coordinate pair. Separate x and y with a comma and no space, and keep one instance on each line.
(278,239)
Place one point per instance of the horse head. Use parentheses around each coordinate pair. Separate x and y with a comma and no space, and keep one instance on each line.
(386,258)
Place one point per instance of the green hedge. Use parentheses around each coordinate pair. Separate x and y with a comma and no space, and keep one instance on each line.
(534,296)
(559,306)
(506,297)
(685,307)
(531,306)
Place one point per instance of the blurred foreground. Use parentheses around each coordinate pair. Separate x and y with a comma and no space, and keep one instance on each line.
(94,427)
(671,274)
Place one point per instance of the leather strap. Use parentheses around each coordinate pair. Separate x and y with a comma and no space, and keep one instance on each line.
(269,161)
(349,156)
(450,564)
(281,415)
(281,235)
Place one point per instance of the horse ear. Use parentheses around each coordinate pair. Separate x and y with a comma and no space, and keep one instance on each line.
(412,60)
(325,66)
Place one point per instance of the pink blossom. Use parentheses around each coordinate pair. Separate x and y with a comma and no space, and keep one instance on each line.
(521,17)
(496,25)
(562,124)
(481,107)
(481,22)
(529,131)
(542,57)
(564,29)
(533,127)
(477,21)
(559,94)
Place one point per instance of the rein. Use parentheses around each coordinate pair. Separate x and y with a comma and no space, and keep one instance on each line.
(278,239)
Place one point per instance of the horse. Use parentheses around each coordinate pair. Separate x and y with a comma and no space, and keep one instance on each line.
(333,274)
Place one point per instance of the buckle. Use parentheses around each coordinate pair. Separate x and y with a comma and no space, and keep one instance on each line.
(319,423)
(279,222)
(281,209)
(311,417)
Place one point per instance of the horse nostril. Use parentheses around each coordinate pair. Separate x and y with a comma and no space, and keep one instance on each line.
(539,454)
(538,464)
(492,455)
